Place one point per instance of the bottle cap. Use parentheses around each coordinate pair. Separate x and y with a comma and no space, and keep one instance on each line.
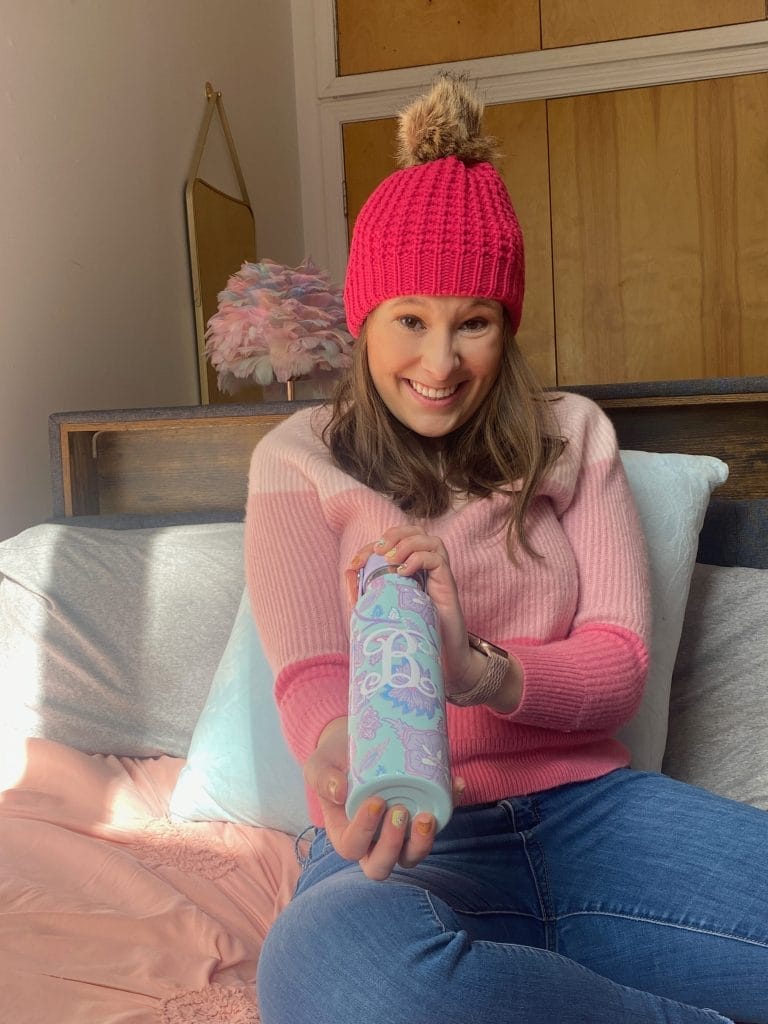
(377,565)
(416,795)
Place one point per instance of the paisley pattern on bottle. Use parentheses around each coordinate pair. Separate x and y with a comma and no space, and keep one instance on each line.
(397,708)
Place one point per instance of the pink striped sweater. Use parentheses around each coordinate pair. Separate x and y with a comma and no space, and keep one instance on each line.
(576,619)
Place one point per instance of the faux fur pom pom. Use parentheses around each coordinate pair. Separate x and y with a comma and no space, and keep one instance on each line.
(446,121)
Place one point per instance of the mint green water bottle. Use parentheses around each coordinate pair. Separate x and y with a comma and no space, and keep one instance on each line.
(398,742)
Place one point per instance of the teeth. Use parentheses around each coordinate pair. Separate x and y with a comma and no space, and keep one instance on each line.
(432,392)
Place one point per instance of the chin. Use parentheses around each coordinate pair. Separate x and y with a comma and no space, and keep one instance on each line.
(432,429)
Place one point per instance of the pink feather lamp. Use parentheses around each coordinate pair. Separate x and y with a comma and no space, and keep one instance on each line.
(277,323)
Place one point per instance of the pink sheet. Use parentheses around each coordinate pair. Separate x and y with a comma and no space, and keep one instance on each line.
(112,914)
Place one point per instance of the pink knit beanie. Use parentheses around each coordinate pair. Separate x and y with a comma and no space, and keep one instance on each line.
(443,226)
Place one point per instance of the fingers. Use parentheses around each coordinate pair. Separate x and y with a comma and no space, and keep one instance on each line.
(413,549)
(405,546)
(458,788)
(351,581)
(355,839)
(384,853)
(418,843)
(325,770)
(379,837)
(400,841)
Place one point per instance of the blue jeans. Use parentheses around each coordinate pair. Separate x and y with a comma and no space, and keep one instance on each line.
(633,898)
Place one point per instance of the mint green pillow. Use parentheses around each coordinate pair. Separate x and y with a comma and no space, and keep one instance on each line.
(239,767)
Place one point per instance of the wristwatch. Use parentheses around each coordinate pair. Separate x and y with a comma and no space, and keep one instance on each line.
(490,681)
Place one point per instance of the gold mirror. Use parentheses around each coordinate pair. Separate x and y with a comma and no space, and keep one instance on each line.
(222,236)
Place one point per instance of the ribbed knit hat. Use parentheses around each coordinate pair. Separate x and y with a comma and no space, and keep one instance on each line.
(444,225)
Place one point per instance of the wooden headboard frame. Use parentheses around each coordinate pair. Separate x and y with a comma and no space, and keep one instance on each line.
(195,459)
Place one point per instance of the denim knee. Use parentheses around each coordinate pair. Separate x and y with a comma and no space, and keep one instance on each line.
(348,945)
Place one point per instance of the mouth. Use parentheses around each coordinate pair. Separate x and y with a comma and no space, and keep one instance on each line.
(433,394)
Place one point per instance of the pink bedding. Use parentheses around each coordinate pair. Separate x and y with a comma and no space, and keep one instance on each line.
(112,914)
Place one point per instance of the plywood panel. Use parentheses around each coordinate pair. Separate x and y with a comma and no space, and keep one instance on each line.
(565,23)
(522,133)
(377,36)
(660,231)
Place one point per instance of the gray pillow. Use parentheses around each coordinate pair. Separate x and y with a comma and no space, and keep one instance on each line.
(718,722)
(109,639)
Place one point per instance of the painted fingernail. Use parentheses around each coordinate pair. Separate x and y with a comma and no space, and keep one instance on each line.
(402,567)
(333,786)
(399,817)
(375,807)
(424,825)
(380,543)
(391,553)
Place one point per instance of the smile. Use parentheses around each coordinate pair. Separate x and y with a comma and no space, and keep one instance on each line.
(433,393)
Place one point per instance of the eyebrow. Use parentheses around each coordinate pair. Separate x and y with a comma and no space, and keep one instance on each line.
(417,300)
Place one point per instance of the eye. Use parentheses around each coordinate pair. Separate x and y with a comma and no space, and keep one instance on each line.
(474,324)
(410,322)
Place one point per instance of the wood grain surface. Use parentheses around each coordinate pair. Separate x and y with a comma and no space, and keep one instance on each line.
(565,23)
(182,461)
(659,223)
(377,36)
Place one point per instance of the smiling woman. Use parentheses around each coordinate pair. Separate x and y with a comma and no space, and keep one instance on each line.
(561,886)
(493,431)
(434,360)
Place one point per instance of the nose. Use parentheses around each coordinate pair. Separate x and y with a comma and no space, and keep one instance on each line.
(439,355)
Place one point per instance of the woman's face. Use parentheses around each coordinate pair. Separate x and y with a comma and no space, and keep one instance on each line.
(434,360)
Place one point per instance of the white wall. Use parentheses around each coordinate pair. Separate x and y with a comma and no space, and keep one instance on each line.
(101,102)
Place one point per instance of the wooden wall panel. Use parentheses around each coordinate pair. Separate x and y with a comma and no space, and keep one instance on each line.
(370,149)
(521,129)
(379,36)
(565,23)
(660,231)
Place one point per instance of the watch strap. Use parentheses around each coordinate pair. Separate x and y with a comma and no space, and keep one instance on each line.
(492,679)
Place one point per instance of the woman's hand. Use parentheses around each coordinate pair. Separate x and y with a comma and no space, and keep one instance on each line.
(399,841)
(412,549)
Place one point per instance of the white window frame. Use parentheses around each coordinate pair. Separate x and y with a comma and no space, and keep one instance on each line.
(326,101)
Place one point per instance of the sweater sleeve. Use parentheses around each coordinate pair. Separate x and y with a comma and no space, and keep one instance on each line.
(593,678)
(292,563)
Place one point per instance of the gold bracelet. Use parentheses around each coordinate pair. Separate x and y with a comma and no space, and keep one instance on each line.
(492,679)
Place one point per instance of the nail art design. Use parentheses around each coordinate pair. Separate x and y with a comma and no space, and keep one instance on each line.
(399,817)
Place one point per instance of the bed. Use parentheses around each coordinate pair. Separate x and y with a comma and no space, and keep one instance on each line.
(150,814)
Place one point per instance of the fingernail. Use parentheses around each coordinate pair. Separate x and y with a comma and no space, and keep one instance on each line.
(391,553)
(399,817)
(375,807)
(402,568)
(333,786)
(424,825)
(380,543)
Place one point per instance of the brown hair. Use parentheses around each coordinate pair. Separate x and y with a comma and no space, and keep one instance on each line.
(506,447)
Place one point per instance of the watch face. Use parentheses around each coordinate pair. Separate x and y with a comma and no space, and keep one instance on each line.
(486,646)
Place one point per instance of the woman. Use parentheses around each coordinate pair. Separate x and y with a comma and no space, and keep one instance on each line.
(565,887)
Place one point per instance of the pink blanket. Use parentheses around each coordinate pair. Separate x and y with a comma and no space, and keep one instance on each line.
(112,914)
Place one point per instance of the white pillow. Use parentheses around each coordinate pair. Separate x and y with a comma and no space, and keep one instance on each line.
(239,768)
(671,493)
(109,639)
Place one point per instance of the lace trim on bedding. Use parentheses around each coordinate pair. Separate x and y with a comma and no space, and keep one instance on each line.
(165,843)
(212,1003)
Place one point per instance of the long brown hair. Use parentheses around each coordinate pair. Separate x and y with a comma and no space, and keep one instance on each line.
(506,447)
